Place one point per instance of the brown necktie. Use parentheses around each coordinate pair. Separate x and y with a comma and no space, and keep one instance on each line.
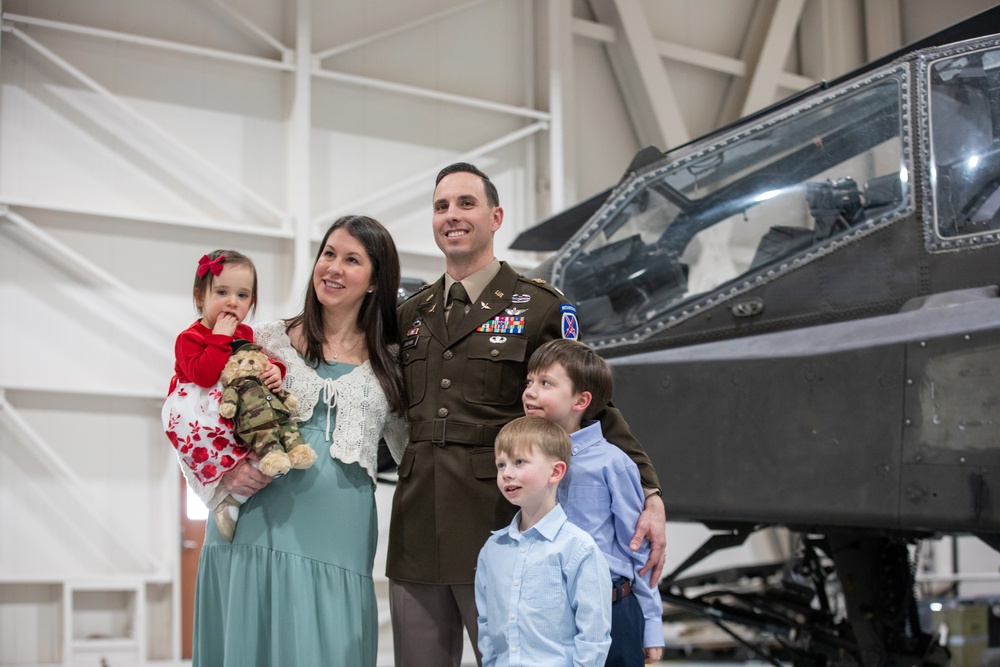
(457,297)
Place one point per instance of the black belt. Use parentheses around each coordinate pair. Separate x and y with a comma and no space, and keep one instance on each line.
(444,431)
(621,588)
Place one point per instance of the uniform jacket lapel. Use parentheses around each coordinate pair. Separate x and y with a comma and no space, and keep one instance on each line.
(431,309)
(492,302)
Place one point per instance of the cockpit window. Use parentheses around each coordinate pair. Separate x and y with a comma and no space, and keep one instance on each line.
(964,107)
(720,215)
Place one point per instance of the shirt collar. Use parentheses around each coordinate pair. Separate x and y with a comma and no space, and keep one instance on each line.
(589,434)
(547,528)
(477,282)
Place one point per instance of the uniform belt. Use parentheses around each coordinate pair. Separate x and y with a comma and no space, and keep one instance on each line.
(621,588)
(444,431)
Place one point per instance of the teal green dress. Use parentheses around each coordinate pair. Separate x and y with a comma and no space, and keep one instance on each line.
(295,586)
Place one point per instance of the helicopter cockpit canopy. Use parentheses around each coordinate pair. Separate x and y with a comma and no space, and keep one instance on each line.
(724,212)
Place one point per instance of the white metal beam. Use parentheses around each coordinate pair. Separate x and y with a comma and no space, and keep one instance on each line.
(163,44)
(641,74)
(427,93)
(229,227)
(692,55)
(427,174)
(770,64)
(154,335)
(423,20)
(255,30)
(152,127)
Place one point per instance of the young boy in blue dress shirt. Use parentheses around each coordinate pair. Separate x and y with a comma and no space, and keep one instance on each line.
(541,583)
(567,384)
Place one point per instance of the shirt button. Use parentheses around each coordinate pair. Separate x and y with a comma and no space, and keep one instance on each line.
(445,383)
(576,450)
(494,353)
(514,650)
(512,616)
(448,354)
(522,549)
(442,412)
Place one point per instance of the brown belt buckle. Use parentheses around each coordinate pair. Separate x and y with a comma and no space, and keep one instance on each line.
(621,591)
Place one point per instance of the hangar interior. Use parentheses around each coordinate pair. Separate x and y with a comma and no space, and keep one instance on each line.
(136,135)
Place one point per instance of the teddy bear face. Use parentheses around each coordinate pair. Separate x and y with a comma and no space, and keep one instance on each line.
(248,361)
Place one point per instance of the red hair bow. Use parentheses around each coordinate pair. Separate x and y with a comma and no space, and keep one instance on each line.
(214,265)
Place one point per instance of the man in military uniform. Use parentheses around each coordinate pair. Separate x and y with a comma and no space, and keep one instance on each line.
(465,342)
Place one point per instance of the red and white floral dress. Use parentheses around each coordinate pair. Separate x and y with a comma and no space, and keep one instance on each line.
(203,438)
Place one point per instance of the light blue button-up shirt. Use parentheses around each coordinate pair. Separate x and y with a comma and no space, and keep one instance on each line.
(602,494)
(544,596)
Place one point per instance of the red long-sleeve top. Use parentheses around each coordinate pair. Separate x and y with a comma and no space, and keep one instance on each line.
(200,355)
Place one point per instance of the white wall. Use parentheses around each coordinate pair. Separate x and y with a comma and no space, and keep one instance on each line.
(124,158)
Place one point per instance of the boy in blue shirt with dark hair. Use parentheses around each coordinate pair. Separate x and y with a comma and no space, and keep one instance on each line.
(567,384)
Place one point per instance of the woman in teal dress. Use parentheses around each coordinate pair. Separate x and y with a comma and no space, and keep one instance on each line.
(295,585)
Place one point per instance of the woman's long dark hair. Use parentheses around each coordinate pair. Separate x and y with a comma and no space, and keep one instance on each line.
(377,317)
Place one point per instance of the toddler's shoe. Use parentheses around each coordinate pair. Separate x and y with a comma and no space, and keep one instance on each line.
(225,514)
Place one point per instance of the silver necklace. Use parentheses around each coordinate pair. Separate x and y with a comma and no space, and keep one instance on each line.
(336,355)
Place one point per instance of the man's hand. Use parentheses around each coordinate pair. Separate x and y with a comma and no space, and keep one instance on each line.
(245,479)
(652,654)
(652,526)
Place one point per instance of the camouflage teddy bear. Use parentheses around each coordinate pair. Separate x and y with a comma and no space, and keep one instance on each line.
(262,419)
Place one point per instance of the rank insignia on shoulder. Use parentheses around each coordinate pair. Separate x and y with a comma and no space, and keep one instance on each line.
(570,325)
(538,280)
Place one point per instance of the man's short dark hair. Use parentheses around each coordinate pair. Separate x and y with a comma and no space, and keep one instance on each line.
(492,196)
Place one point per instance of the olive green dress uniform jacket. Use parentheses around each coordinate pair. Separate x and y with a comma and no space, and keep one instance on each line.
(460,393)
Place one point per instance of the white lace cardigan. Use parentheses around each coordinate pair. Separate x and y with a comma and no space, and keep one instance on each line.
(363,415)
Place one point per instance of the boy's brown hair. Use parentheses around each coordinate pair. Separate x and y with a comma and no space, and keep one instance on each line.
(534,434)
(585,368)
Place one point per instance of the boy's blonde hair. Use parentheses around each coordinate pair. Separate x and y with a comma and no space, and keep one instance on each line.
(584,367)
(534,434)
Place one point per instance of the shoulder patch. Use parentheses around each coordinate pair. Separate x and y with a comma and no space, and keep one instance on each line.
(570,325)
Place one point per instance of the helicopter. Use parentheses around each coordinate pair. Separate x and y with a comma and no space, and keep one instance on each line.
(801,309)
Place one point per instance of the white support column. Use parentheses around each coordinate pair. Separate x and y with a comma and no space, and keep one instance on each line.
(765,76)
(299,169)
(637,63)
(561,91)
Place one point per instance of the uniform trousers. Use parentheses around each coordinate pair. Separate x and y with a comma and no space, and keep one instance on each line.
(427,622)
